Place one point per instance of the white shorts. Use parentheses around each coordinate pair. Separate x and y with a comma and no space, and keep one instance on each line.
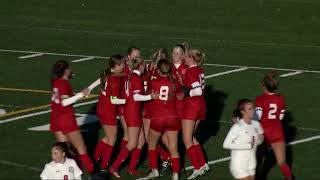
(242,172)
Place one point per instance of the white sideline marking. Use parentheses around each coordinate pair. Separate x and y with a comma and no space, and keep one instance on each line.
(9,163)
(83,119)
(289,144)
(83,59)
(265,68)
(49,53)
(291,74)
(206,64)
(30,56)
(42,112)
(226,72)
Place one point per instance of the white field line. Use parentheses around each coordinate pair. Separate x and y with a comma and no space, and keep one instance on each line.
(206,64)
(289,144)
(49,53)
(30,56)
(42,112)
(226,72)
(83,59)
(291,74)
(264,68)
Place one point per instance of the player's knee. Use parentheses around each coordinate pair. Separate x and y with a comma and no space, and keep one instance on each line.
(131,145)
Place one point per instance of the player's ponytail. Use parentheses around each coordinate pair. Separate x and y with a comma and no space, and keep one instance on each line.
(164,65)
(184,47)
(271,82)
(197,56)
(111,63)
(240,107)
(58,70)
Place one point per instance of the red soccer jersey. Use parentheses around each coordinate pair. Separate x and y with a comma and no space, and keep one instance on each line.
(165,106)
(105,109)
(61,87)
(179,72)
(194,78)
(133,110)
(271,106)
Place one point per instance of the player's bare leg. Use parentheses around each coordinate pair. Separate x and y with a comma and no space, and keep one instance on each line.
(174,154)
(75,138)
(279,150)
(125,130)
(60,137)
(146,127)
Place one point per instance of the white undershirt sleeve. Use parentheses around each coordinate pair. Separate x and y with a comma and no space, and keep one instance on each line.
(115,100)
(231,140)
(196,92)
(258,113)
(73,99)
(139,97)
(282,114)
(94,84)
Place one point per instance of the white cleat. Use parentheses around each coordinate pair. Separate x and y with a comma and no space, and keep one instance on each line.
(205,168)
(196,173)
(175,176)
(151,175)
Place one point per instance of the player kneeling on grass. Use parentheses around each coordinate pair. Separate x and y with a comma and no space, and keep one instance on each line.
(61,167)
(62,118)
(243,139)
(164,119)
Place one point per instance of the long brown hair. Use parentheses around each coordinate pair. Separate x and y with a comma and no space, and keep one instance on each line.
(184,47)
(271,82)
(58,69)
(114,60)
(164,66)
(240,107)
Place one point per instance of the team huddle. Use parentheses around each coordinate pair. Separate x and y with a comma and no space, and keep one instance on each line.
(154,102)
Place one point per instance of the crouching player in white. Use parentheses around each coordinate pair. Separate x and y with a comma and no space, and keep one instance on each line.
(243,139)
(61,167)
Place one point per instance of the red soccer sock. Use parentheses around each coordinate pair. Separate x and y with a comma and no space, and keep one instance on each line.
(164,154)
(124,142)
(192,155)
(175,163)
(135,156)
(153,159)
(106,155)
(200,155)
(98,151)
(124,153)
(286,171)
(87,163)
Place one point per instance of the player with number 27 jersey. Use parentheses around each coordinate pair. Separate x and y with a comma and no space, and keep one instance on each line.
(270,109)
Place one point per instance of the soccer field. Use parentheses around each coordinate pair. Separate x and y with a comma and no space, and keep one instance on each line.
(243,40)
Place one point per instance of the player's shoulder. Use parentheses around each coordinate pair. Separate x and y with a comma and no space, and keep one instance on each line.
(50,165)
(255,123)
(70,162)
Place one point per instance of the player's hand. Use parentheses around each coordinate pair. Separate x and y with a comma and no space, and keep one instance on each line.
(154,95)
(86,92)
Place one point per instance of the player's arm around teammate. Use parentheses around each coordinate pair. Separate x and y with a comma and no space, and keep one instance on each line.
(270,109)
(194,110)
(133,113)
(107,108)
(62,118)
(242,139)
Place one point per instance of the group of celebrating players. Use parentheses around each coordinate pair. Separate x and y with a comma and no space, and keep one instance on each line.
(154,102)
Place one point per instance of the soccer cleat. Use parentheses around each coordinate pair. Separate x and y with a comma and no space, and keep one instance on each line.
(115,173)
(165,168)
(205,168)
(152,174)
(175,176)
(196,173)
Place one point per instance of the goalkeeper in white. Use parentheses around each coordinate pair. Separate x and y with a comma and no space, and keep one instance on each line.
(243,139)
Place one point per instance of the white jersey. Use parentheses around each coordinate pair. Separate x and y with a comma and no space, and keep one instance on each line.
(68,170)
(239,141)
